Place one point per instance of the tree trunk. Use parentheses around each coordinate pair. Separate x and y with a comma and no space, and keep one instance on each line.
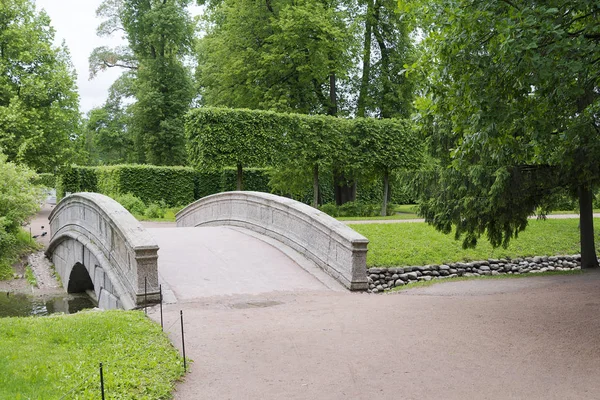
(385,61)
(366,69)
(316,186)
(586,228)
(332,96)
(386,187)
(239,176)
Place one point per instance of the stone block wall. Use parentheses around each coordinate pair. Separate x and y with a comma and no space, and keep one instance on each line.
(385,279)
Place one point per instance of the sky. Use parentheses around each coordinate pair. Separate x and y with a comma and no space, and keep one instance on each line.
(75,22)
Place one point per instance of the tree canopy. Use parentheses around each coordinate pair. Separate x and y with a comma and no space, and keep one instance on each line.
(159,34)
(39,104)
(510,109)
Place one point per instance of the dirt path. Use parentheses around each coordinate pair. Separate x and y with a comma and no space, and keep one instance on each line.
(531,338)
(41,266)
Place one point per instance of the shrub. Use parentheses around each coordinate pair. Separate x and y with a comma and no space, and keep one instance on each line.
(19,199)
(331,209)
(132,203)
(156,210)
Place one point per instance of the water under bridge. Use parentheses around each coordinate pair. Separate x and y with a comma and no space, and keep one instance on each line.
(228,243)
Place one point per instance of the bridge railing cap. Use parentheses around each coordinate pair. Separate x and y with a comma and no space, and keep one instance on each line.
(134,233)
(316,215)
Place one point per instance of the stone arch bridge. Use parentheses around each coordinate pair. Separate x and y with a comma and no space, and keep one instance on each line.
(234,242)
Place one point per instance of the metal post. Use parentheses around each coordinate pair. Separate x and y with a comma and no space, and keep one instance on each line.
(183,342)
(145,295)
(161,313)
(30,235)
(101,381)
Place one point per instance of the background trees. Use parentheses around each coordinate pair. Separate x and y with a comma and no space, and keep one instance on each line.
(160,35)
(39,105)
(511,111)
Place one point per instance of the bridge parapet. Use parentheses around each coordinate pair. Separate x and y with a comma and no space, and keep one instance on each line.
(94,231)
(330,244)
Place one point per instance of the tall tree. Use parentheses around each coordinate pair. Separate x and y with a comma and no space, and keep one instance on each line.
(385,90)
(160,34)
(278,55)
(512,111)
(39,104)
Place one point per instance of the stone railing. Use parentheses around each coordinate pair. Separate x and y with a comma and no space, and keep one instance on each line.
(109,236)
(330,244)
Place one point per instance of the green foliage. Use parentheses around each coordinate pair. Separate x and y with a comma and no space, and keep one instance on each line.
(156,210)
(219,138)
(386,89)
(510,109)
(416,243)
(132,203)
(19,200)
(160,36)
(255,179)
(295,143)
(174,185)
(47,357)
(76,179)
(278,56)
(30,276)
(39,108)
(45,179)
(353,209)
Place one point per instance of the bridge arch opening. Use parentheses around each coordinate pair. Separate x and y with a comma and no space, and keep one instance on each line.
(80,280)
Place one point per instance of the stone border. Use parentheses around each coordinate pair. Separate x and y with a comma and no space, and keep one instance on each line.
(384,279)
(114,244)
(332,245)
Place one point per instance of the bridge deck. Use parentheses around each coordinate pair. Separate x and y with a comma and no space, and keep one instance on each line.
(212,261)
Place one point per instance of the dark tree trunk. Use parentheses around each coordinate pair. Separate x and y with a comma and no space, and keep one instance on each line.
(345,190)
(385,61)
(366,69)
(386,188)
(332,96)
(239,176)
(586,228)
(316,186)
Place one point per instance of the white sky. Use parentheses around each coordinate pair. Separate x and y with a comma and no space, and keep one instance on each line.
(75,22)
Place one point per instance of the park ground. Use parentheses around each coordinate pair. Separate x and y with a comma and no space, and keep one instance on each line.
(531,338)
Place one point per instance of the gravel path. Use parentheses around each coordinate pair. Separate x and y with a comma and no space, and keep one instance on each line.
(530,338)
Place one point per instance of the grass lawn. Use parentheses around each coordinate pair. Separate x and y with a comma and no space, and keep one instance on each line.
(420,244)
(47,357)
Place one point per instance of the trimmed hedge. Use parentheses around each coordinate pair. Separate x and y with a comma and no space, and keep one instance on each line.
(176,186)
(179,186)
(45,179)
(377,148)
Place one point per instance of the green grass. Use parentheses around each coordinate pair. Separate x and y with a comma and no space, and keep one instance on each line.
(47,357)
(30,276)
(403,211)
(420,244)
(23,245)
(421,284)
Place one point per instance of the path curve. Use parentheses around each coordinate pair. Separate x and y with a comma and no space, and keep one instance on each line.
(535,338)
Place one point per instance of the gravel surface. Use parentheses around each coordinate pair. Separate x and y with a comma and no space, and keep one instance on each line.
(530,338)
